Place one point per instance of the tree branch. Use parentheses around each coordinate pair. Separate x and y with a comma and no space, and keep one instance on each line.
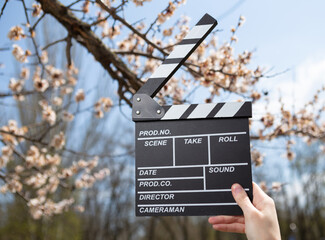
(53,43)
(37,22)
(33,38)
(68,50)
(82,32)
(20,194)
(137,53)
(3,8)
(129,26)
(155,21)
(10,94)
(289,133)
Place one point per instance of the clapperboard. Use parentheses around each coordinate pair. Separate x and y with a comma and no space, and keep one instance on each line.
(188,156)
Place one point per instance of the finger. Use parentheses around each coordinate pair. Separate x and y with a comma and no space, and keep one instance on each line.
(226,219)
(259,196)
(258,191)
(241,198)
(233,227)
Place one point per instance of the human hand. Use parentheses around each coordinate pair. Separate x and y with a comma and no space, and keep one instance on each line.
(259,221)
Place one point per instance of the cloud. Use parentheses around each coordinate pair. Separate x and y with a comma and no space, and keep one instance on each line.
(310,76)
(296,87)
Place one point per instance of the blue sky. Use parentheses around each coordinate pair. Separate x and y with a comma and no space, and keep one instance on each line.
(284,34)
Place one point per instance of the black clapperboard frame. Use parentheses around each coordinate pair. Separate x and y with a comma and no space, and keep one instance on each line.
(188,156)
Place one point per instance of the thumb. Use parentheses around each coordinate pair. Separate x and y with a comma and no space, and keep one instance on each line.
(241,198)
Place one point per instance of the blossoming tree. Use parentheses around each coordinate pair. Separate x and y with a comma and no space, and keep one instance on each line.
(133,52)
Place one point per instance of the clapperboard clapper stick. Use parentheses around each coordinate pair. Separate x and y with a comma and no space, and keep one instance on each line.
(188,156)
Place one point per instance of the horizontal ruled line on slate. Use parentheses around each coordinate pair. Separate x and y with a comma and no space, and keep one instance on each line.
(186,204)
(189,191)
(170,172)
(197,135)
(173,178)
(189,166)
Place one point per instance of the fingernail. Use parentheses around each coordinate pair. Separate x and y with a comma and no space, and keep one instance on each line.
(237,189)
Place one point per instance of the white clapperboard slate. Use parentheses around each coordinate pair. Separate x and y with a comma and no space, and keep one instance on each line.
(188,156)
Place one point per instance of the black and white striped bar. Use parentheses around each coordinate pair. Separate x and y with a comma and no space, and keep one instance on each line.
(178,56)
(209,110)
